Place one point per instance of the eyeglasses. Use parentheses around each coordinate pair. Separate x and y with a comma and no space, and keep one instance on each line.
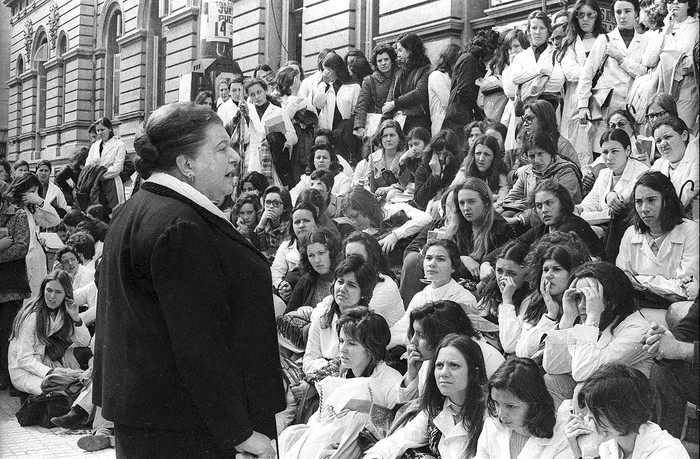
(619,125)
(527,119)
(653,116)
(274,204)
(589,15)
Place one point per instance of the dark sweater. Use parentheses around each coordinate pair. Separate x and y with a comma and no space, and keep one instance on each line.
(571,223)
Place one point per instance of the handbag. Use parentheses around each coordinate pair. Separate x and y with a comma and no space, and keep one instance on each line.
(37,410)
(529,92)
(599,101)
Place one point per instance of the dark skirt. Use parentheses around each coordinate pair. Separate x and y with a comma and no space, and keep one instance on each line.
(136,442)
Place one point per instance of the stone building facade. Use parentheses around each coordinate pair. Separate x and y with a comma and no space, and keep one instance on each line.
(73,61)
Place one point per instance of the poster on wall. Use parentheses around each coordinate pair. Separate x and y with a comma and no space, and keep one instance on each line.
(217,20)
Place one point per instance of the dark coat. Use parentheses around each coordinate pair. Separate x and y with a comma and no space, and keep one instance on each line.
(462,108)
(186,336)
(409,91)
(373,95)
(571,223)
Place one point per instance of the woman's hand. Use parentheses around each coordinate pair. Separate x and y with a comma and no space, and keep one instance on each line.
(435,165)
(613,51)
(584,114)
(359,132)
(614,202)
(573,429)
(381,192)
(72,310)
(284,290)
(552,306)
(570,312)
(389,242)
(267,216)
(508,289)
(472,265)
(595,303)
(258,445)
(32,198)
(414,363)
(388,107)
(485,271)
(6,242)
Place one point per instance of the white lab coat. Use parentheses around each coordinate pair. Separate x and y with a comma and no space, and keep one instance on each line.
(651,443)
(494,443)
(341,185)
(524,68)
(227,111)
(346,100)
(661,273)
(572,65)
(54,192)
(594,206)
(687,172)
(516,334)
(113,156)
(47,217)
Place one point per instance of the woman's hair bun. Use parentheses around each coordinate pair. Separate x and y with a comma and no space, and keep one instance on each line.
(146,154)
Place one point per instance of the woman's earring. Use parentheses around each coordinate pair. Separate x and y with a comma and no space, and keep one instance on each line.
(191,178)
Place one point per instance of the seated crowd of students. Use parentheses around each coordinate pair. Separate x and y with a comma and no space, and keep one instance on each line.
(441,289)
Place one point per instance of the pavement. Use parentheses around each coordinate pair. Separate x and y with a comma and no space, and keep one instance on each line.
(38,442)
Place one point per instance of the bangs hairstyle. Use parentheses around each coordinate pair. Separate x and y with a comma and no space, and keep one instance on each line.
(471,415)
(384,48)
(620,393)
(370,330)
(498,167)
(447,59)
(482,241)
(540,140)
(671,214)
(366,279)
(245,198)
(514,251)
(419,133)
(255,178)
(285,197)
(375,255)
(440,318)
(618,293)
(336,63)
(502,58)
(171,131)
(445,140)
(452,252)
(559,191)
(366,204)
(567,249)
(523,378)
(616,135)
(573,29)
(329,240)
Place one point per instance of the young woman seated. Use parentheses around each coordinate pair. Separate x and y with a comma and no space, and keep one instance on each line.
(541,117)
(380,170)
(430,323)
(555,212)
(659,252)
(44,334)
(452,406)
(544,163)
(523,421)
(600,324)
(611,194)
(324,158)
(323,181)
(485,161)
(253,182)
(404,190)
(273,226)
(441,266)
(386,299)
(245,215)
(473,131)
(473,224)
(549,264)
(70,261)
(680,161)
(390,223)
(315,198)
(320,254)
(327,136)
(507,287)
(363,379)
(284,267)
(441,161)
(354,283)
(84,244)
(616,406)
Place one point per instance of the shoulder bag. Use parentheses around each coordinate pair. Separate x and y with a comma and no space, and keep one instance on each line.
(599,102)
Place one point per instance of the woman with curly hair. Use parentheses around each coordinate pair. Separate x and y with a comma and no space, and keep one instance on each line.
(409,92)
(246,215)
(43,334)
(375,87)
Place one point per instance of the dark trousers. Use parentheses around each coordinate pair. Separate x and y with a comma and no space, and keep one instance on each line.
(135,442)
(675,384)
(8,311)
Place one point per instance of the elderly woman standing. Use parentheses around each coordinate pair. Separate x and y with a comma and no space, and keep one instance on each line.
(186,355)
(109,152)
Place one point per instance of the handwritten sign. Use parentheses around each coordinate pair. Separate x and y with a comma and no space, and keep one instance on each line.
(217,20)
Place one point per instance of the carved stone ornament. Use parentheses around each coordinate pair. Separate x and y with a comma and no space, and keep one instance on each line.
(53,24)
(28,38)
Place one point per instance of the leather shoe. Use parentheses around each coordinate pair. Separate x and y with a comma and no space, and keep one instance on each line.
(75,418)
(94,442)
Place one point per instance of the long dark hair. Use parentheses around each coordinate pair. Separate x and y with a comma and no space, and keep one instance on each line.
(366,278)
(502,58)
(672,208)
(414,45)
(302,206)
(57,343)
(375,255)
(573,29)
(472,411)
(523,378)
(365,203)
(516,252)
(439,319)
(482,240)
(335,63)
(447,59)
(325,237)
(492,176)
(21,184)
(370,330)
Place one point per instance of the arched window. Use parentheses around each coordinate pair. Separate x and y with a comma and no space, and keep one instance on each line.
(20,64)
(60,51)
(40,56)
(112,64)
